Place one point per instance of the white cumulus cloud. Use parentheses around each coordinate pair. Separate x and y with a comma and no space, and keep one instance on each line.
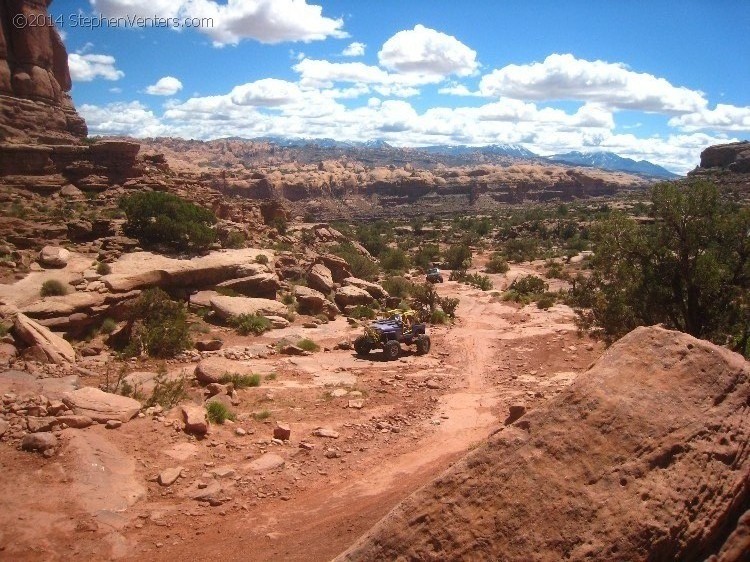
(425,51)
(565,77)
(723,117)
(355,49)
(166,86)
(228,23)
(87,67)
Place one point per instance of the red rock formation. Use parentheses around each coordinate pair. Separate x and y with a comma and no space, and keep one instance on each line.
(644,457)
(34,78)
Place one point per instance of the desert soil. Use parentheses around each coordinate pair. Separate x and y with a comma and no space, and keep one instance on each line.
(99,499)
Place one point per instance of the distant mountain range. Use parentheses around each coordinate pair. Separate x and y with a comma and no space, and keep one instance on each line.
(602,160)
(613,162)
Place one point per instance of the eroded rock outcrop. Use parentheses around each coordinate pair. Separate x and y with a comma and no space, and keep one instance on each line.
(645,456)
(34,77)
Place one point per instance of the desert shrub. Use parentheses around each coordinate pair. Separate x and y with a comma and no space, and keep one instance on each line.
(280,224)
(457,275)
(288,299)
(528,285)
(218,413)
(362,311)
(154,217)
(108,326)
(394,259)
(240,381)
(4,329)
(545,301)
(167,393)
(322,318)
(426,296)
(554,270)
(103,268)
(361,266)
(449,305)
(308,345)
(228,292)
(497,264)
(246,324)
(522,249)
(438,316)
(262,415)
(398,286)
(426,255)
(370,236)
(271,376)
(159,326)
(477,280)
(261,259)
(458,256)
(53,288)
(235,239)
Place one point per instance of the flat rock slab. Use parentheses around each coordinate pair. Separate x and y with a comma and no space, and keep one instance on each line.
(213,369)
(229,307)
(19,382)
(104,478)
(269,461)
(101,406)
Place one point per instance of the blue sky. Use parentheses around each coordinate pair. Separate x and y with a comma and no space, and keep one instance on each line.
(648,80)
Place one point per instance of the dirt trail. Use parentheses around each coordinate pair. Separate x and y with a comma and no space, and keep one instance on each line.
(317,505)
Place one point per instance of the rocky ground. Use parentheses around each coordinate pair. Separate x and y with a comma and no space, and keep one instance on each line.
(305,495)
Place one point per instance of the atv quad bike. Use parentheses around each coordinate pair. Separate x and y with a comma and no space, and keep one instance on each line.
(389,333)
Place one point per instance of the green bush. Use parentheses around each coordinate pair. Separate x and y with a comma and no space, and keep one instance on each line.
(53,288)
(394,259)
(438,317)
(240,381)
(103,268)
(426,296)
(545,301)
(218,413)
(477,280)
(398,286)
(235,239)
(159,326)
(167,393)
(522,249)
(362,311)
(246,324)
(261,259)
(426,255)
(308,345)
(449,305)
(154,217)
(458,256)
(497,264)
(108,326)
(361,266)
(529,285)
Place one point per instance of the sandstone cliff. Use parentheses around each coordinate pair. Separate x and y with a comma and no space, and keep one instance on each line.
(34,78)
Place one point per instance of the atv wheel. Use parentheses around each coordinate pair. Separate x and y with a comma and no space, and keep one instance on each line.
(423,344)
(392,350)
(362,345)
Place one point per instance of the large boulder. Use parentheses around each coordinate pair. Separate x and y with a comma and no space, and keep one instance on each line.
(314,302)
(214,369)
(733,156)
(261,285)
(373,288)
(229,307)
(319,278)
(139,270)
(54,257)
(643,457)
(352,296)
(52,347)
(339,267)
(101,406)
